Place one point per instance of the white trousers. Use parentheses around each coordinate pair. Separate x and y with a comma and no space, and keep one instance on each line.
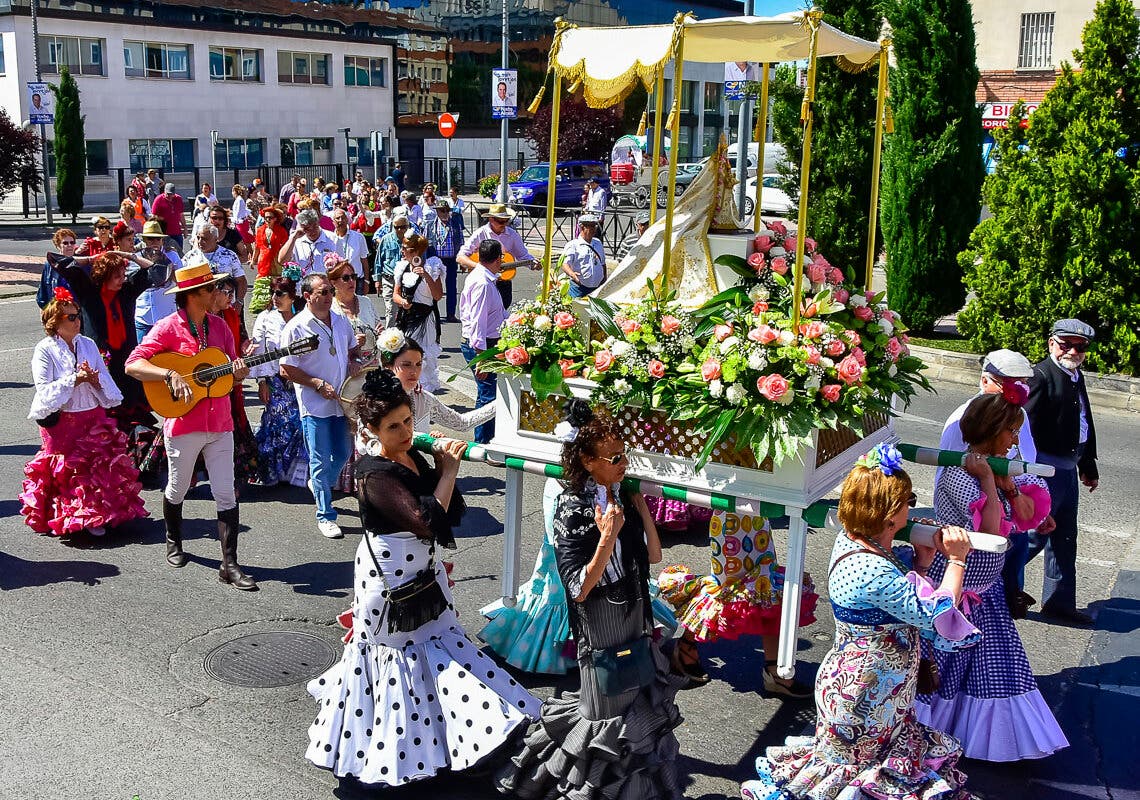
(217,450)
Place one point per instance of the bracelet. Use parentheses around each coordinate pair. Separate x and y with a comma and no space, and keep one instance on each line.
(956,562)
(320,386)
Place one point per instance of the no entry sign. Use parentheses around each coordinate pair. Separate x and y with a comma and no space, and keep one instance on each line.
(447,124)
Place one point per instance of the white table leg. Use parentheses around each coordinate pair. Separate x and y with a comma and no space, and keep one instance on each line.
(512,536)
(793,590)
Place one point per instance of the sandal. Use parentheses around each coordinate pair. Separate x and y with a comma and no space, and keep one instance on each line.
(687,662)
(775,685)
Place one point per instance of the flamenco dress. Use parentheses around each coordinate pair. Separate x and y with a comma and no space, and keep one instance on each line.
(868,742)
(402,705)
(987,696)
(281,453)
(82,477)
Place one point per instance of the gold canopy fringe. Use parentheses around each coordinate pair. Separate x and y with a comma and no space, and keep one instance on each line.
(672,118)
(560,27)
(537,101)
(847,65)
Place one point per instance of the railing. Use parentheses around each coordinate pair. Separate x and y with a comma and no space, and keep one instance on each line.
(530,222)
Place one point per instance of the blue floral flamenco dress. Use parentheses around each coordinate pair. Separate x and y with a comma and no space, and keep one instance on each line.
(868,742)
(534,634)
(282,455)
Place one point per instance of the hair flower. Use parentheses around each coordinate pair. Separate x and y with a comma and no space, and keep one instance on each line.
(391,340)
(331,260)
(292,271)
(1015,392)
(885,458)
(565,432)
(63,295)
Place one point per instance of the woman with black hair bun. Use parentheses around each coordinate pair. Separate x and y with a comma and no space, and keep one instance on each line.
(411,695)
(614,737)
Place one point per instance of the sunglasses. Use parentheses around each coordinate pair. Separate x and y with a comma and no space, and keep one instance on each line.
(912,501)
(1079,345)
(321,292)
(71,317)
(280,293)
(349,278)
(615,460)
(67,244)
(399,227)
(102,227)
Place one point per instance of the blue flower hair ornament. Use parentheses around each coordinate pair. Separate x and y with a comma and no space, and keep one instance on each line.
(292,271)
(885,457)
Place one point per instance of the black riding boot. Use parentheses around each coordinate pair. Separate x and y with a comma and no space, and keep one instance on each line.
(172,517)
(230,572)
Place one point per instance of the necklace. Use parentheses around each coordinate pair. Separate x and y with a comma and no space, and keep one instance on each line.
(328,331)
(202,337)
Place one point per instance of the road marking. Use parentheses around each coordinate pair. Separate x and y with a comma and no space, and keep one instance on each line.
(1097,530)
(923,420)
(19,300)
(18,350)
(1095,562)
(1134,691)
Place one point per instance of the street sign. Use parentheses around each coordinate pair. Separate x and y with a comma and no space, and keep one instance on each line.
(447,124)
(41,104)
(504,94)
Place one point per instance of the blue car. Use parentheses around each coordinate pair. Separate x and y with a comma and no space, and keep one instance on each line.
(531,187)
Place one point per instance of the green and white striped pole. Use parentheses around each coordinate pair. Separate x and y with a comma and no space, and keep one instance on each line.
(933,457)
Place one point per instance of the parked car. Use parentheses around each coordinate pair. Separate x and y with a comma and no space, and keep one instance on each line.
(774,200)
(685,175)
(531,187)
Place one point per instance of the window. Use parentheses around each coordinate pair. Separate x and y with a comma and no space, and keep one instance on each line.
(80,56)
(98,162)
(436,105)
(713,95)
(437,73)
(360,151)
(302,67)
(234,64)
(239,153)
(688,95)
(365,71)
(168,155)
(2,69)
(157,60)
(1036,48)
(306,152)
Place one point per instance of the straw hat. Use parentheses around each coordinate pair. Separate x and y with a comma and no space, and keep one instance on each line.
(153,229)
(499,211)
(194,276)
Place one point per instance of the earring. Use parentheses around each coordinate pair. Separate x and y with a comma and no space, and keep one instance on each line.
(367,441)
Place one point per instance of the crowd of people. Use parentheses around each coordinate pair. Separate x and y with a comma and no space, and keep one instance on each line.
(927,664)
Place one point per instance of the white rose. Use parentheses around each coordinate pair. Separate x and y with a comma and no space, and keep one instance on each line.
(621,349)
(776,252)
(655,348)
(812,382)
(390,340)
(759,293)
(542,323)
(756,360)
(716,388)
(621,386)
(805,283)
(857,301)
(608,344)
(735,394)
(887,326)
(892,370)
(826,362)
(729,343)
(786,338)
(688,342)
(787,398)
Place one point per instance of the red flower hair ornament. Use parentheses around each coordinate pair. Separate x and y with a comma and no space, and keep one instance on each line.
(63,295)
(1015,392)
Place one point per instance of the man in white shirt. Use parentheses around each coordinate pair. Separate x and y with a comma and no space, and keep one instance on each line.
(584,258)
(481,314)
(221,260)
(351,246)
(499,228)
(414,209)
(317,377)
(308,244)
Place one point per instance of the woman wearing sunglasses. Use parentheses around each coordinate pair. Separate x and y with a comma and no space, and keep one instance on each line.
(101,242)
(81,479)
(417,288)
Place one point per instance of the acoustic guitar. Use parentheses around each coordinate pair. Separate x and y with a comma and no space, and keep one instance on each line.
(210,373)
(508,272)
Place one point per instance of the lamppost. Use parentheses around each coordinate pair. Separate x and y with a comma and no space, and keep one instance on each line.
(504,133)
(347,155)
(214,161)
(374,141)
(43,128)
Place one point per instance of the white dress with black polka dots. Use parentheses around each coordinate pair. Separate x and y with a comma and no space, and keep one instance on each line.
(401,706)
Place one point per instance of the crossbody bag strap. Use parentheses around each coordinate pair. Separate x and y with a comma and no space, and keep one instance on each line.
(380,570)
(835,563)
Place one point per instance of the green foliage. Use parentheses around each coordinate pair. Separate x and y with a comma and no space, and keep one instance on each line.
(583,132)
(488,185)
(932,166)
(843,137)
(70,146)
(1064,239)
(18,147)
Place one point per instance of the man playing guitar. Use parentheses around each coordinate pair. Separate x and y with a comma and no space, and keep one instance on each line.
(498,227)
(207,429)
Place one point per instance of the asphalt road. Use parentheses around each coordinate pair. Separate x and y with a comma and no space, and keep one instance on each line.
(103,692)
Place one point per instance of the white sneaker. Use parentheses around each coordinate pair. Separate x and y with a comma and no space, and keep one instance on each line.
(329,529)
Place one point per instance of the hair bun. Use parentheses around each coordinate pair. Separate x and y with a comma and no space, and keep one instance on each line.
(578,412)
(382,384)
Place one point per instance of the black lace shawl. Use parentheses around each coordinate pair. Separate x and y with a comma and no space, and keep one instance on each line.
(393,499)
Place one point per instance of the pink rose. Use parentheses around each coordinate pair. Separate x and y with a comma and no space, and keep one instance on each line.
(778,227)
(516,318)
(850,371)
(814,330)
(762,243)
(812,353)
(840,295)
(811,310)
(830,392)
(759,307)
(894,349)
(756,261)
(780,265)
(834,274)
(629,326)
(852,338)
(764,334)
(835,348)
(564,320)
(864,313)
(567,365)
(790,243)
(710,370)
(722,332)
(772,387)
(816,273)
(603,360)
(656,368)
(670,325)
(517,356)
(857,352)
(809,244)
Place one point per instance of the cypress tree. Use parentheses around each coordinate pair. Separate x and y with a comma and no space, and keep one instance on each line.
(70,146)
(932,165)
(1064,238)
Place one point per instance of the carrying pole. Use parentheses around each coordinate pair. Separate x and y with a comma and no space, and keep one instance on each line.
(814,17)
(659,94)
(880,111)
(761,140)
(551,185)
(674,148)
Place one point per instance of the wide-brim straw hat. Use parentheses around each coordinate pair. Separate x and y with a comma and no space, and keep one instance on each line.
(152,229)
(194,276)
(499,211)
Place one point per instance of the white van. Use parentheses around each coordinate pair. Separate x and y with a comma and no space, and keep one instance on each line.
(773,154)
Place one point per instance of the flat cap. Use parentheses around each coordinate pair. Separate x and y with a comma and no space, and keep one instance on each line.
(588,218)
(642,218)
(1073,327)
(1007,364)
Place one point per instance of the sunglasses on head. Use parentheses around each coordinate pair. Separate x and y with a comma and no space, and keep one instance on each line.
(1079,345)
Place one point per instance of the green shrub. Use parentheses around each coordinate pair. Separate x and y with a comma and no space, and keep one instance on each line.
(70,146)
(489,185)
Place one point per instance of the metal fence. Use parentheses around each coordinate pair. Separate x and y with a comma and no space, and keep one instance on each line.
(617,224)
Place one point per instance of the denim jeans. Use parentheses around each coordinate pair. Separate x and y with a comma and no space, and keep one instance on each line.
(451,283)
(578,290)
(327,440)
(141,330)
(1059,591)
(485,394)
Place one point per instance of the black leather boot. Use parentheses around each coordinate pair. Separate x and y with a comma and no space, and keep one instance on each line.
(172,517)
(230,572)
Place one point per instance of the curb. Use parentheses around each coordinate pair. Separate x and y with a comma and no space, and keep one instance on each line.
(1112,392)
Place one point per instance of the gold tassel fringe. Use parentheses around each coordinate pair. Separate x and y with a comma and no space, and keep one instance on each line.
(643,125)
(537,101)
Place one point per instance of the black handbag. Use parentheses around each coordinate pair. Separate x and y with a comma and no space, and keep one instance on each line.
(415,602)
(50,421)
(624,667)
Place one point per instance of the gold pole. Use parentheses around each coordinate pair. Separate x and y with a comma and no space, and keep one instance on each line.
(760,135)
(880,107)
(674,149)
(659,93)
(551,180)
(813,17)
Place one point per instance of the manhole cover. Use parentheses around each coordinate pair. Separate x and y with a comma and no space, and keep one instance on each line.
(263,660)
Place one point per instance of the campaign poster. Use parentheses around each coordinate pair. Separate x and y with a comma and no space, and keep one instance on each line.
(41,104)
(504,93)
(736,75)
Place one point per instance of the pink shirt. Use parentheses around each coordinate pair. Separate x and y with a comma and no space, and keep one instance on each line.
(172,335)
(169,207)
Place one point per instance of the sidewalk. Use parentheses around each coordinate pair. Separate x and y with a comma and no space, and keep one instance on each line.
(20,275)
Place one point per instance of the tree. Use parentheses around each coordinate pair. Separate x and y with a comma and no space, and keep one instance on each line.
(1064,238)
(70,146)
(18,148)
(839,196)
(932,164)
(583,132)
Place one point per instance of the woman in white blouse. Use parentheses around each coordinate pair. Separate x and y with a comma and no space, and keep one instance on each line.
(405,358)
(281,453)
(417,287)
(358,309)
(82,477)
